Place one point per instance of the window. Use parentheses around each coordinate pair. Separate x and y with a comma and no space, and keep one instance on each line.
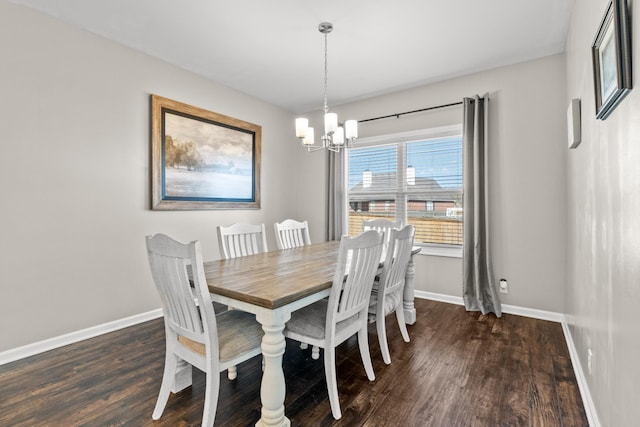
(414,177)
(429,205)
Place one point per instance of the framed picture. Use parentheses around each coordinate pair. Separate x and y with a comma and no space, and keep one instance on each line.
(201,159)
(611,53)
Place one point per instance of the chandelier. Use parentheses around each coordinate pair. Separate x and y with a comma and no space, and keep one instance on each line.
(335,135)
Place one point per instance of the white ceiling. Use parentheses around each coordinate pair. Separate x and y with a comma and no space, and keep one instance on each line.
(272,49)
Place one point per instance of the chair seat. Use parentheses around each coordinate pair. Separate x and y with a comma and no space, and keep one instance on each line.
(238,333)
(311,321)
(391,301)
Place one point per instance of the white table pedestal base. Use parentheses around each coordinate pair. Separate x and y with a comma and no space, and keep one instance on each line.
(272,389)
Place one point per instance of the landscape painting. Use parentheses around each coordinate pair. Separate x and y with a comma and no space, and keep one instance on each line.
(203,160)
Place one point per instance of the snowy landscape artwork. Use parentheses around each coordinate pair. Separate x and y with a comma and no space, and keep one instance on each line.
(207,161)
(204,160)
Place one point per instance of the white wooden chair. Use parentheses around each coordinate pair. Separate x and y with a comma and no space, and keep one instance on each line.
(292,234)
(238,240)
(328,323)
(379,224)
(386,296)
(382,226)
(194,333)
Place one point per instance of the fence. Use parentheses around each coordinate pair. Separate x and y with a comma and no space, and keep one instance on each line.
(428,230)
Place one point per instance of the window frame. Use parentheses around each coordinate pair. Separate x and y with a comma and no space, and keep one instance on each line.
(401,140)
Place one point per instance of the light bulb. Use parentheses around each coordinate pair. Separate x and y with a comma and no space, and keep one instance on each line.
(338,136)
(330,123)
(309,137)
(301,127)
(351,129)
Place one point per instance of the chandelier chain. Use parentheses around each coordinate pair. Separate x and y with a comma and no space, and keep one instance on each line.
(326,72)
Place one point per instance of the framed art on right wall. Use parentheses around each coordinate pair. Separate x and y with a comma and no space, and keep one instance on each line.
(611,54)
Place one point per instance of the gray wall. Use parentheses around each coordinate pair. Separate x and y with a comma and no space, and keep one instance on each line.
(75,187)
(603,233)
(527,173)
(76,174)
(74,131)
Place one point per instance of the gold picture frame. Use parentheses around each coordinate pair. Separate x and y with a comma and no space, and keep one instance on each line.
(201,159)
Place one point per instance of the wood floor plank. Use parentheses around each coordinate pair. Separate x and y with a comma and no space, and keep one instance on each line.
(570,402)
(460,369)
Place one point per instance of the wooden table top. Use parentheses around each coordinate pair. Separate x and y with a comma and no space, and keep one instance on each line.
(274,279)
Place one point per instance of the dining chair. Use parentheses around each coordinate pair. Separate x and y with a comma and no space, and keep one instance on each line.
(292,234)
(382,226)
(194,333)
(379,224)
(240,239)
(387,293)
(328,323)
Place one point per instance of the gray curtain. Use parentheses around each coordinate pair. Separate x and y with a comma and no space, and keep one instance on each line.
(335,195)
(479,287)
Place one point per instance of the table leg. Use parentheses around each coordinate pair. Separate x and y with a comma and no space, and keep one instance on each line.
(408,296)
(272,389)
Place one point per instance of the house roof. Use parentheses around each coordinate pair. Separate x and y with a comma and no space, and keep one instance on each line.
(384,184)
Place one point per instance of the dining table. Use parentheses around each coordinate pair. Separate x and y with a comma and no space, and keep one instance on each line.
(272,285)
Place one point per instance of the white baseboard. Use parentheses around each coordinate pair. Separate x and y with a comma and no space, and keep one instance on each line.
(589,407)
(439,297)
(70,338)
(509,309)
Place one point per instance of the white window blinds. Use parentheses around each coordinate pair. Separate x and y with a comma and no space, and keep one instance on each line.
(417,182)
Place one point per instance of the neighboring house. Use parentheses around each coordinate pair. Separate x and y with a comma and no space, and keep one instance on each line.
(375,193)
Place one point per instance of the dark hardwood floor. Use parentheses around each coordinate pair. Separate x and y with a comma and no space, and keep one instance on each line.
(460,369)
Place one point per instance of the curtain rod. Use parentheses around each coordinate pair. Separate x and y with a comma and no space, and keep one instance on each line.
(397,115)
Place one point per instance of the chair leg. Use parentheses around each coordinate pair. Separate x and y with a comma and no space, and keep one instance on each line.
(382,338)
(170,365)
(363,344)
(402,323)
(211,397)
(232,372)
(332,383)
(315,352)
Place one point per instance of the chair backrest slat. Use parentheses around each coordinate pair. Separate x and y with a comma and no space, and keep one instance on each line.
(358,262)
(238,240)
(292,234)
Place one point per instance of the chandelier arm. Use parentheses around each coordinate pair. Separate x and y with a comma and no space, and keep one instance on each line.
(312,149)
